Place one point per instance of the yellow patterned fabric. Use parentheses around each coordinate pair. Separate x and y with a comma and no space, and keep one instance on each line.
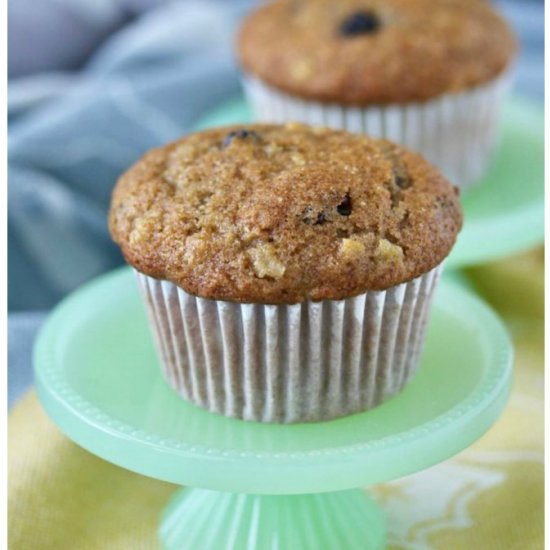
(488,497)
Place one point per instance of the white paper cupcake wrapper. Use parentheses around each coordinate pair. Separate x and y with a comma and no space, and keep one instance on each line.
(455,132)
(280,363)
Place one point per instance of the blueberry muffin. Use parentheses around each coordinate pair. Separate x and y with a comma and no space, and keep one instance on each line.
(428,75)
(288,270)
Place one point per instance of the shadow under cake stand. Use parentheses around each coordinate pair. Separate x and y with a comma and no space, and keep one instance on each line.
(260,486)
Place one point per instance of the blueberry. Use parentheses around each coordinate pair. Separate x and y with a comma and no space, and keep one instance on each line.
(321,218)
(360,22)
(344,208)
(311,217)
(402,180)
(242,133)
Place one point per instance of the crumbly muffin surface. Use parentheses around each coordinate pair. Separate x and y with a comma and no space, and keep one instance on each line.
(282,214)
(375,51)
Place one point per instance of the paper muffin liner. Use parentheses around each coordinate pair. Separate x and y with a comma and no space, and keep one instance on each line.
(289,363)
(455,132)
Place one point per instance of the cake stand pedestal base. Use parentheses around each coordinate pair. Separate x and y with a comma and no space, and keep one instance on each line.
(199,518)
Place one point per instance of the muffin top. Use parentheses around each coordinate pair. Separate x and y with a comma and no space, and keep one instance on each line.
(375,51)
(282,214)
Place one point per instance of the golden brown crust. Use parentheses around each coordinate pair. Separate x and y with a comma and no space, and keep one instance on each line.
(422,49)
(284,214)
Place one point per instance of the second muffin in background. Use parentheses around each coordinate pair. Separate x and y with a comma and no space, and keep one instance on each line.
(427,74)
(288,270)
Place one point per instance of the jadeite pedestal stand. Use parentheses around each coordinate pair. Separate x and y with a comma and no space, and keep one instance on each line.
(257,486)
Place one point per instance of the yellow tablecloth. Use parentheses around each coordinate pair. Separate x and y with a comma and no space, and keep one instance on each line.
(489,497)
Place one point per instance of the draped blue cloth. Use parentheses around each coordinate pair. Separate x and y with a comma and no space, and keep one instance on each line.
(71,134)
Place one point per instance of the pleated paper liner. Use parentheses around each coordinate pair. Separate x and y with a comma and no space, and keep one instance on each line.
(289,363)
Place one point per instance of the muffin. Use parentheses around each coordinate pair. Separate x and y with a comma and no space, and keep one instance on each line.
(427,75)
(287,270)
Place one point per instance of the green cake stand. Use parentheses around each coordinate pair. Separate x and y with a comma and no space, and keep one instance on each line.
(504,213)
(259,486)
